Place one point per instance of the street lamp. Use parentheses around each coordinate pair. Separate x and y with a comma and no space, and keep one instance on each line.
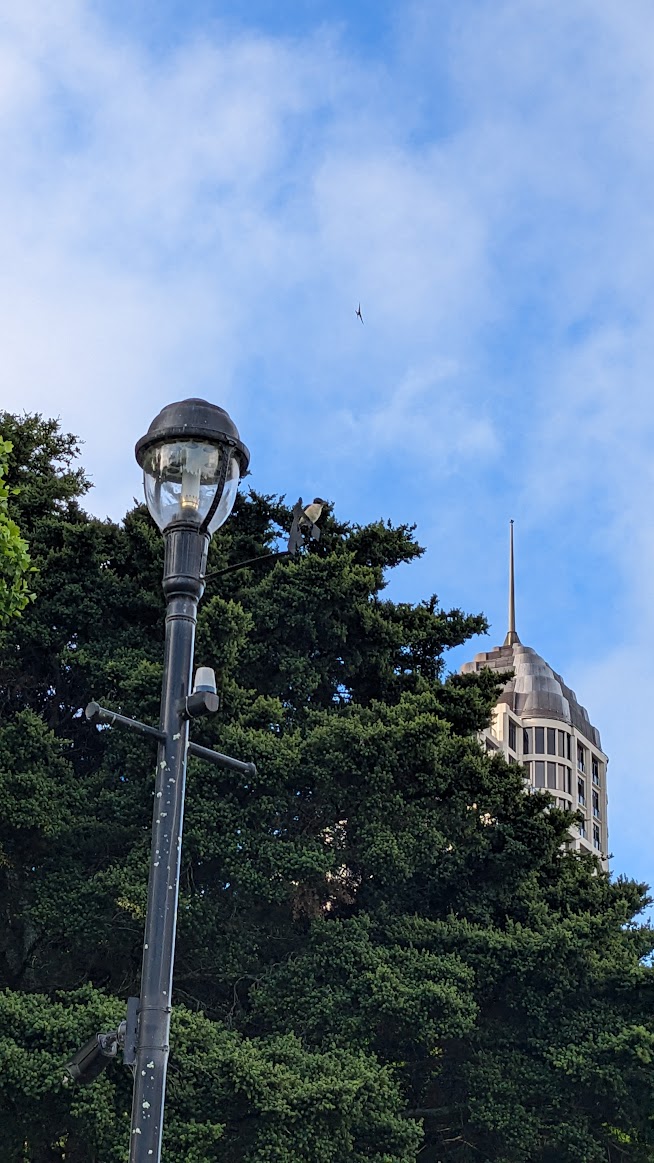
(192,460)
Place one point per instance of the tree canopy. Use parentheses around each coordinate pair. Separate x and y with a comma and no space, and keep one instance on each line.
(385,950)
(15,565)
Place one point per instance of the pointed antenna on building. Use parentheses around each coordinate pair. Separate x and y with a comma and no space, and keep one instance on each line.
(511,637)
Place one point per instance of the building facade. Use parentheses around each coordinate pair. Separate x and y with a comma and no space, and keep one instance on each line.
(538,723)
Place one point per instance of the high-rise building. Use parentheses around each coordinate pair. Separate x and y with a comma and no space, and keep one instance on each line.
(538,723)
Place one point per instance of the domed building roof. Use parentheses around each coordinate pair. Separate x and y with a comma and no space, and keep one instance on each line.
(535,691)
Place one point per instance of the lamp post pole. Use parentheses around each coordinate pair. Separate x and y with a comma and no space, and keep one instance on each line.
(192,459)
(185,557)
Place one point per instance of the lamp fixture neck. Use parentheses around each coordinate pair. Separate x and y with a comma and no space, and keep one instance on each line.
(185,561)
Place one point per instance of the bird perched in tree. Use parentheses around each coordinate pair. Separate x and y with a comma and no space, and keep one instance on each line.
(304,525)
(312,512)
(358,312)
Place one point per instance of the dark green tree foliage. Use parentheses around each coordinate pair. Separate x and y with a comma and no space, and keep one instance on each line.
(384,951)
(15,566)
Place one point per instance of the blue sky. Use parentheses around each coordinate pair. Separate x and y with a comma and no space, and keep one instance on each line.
(196,196)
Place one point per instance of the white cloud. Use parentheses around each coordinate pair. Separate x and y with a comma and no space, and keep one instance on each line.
(404,230)
(422,419)
(180,213)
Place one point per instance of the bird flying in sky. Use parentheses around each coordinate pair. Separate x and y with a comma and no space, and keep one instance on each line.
(358,312)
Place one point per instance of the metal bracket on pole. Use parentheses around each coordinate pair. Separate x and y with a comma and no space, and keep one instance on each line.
(295,537)
(130,1036)
(199,703)
(97,714)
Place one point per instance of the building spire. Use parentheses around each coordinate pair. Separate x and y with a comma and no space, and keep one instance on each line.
(511,637)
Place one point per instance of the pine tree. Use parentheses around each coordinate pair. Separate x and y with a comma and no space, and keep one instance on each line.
(385,951)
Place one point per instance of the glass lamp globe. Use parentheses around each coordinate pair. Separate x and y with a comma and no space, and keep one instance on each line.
(192,460)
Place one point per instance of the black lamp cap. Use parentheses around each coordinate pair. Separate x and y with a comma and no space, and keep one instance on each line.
(193,420)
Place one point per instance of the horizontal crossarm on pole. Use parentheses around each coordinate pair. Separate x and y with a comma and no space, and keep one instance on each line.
(221,760)
(97,714)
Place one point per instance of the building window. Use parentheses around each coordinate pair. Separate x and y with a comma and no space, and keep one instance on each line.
(596,805)
(551,775)
(491,746)
(526,741)
(581,757)
(595,766)
(512,735)
(512,759)
(539,740)
(562,744)
(568,747)
(527,767)
(582,830)
(551,741)
(540,772)
(581,791)
(565,778)
(596,836)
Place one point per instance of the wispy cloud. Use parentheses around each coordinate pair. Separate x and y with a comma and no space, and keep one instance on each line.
(191,215)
